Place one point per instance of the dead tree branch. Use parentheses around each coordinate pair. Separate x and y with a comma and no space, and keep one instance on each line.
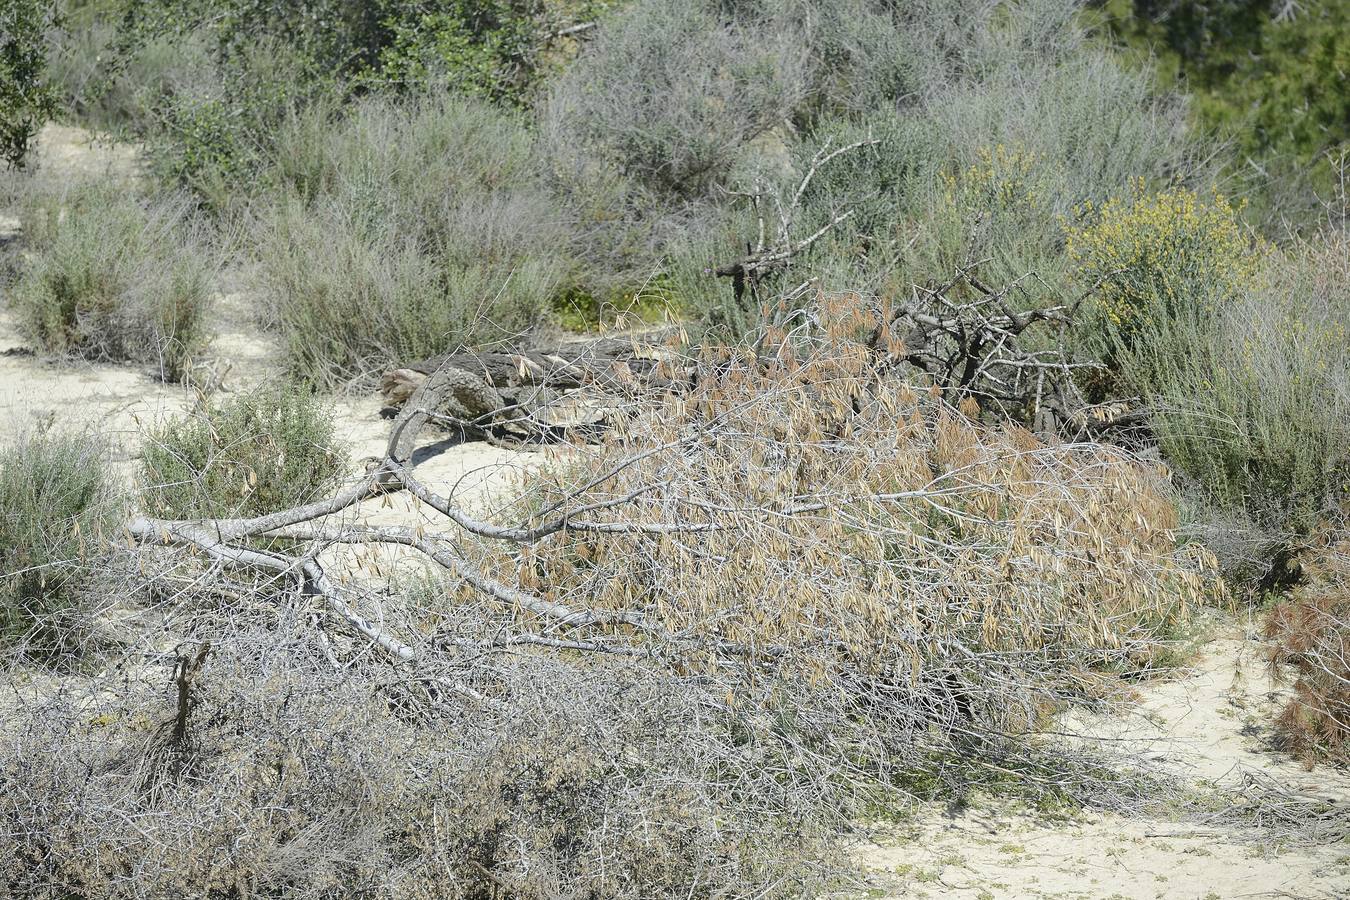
(761,258)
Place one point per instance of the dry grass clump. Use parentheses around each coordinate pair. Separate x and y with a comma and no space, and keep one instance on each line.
(792,595)
(1310,632)
(54,497)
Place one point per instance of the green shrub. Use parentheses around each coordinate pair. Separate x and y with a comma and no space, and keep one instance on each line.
(498,49)
(999,206)
(1161,265)
(1239,351)
(26,100)
(407,230)
(116,77)
(202,86)
(115,278)
(1256,407)
(1273,77)
(54,497)
(690,284)
(252,454)
(206,86)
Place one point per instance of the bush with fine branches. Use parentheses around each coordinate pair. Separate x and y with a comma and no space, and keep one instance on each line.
(55,498)
(243,455)
(1238,350)
(672,94)
(405,230)
(951,97)
(113,277)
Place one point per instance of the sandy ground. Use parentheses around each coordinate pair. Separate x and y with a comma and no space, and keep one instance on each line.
(1208,725)
(64,153)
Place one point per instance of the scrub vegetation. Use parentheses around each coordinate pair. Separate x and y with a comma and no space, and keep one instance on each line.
(981,357)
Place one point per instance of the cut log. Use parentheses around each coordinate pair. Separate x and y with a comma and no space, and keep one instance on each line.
(571,365)
(537,393)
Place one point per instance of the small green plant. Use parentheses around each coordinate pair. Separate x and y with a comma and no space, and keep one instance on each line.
(26,100)
(498,49)
(252,454)
(53,499)
(114,278)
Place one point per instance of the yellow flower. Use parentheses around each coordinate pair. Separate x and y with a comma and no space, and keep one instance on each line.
(1168,248)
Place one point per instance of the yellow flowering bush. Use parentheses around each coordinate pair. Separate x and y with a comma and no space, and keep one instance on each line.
(1252,403)
(1172,254)
(1001,179)
(999,207)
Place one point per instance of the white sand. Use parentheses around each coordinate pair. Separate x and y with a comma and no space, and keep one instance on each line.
(1210,724)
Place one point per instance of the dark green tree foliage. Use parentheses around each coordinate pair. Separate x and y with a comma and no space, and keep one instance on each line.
(1272,74)
(26,101)
(492,48)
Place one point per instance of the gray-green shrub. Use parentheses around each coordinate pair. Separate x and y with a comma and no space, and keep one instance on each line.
(1237,348)
(1255,406)
(113,277)
(54,498)
(670,95)
(118,81)
(246,455)
(992,122)
(407,230)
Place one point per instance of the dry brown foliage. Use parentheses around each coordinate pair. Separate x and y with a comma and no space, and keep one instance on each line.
(1310,633)
(810,508)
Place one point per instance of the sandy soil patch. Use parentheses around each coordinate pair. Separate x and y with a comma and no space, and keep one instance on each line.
(116,401)
(65,153)
(1210,724)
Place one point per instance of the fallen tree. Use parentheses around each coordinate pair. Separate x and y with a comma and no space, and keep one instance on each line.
(812,428)
(1003,348)
(685,657)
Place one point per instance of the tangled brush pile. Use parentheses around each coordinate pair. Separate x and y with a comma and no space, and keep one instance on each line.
(806,513)
(788,596)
